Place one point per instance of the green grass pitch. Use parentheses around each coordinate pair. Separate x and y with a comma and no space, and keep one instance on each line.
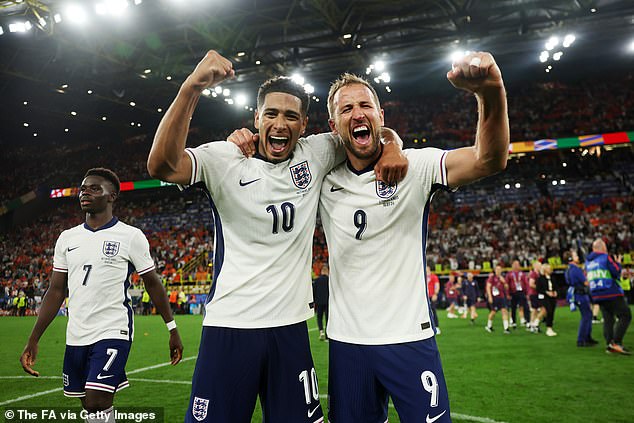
(522,377)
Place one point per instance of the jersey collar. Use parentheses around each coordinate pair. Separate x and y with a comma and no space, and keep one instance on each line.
(110,224)
(366,169)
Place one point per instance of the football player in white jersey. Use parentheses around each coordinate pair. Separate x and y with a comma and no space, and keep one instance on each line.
(93,261)
(255,339)
(380,326)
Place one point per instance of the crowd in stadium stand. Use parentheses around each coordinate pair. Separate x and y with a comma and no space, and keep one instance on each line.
(491,221)
(536,110)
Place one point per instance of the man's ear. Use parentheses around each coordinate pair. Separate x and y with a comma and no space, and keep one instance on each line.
(331,123)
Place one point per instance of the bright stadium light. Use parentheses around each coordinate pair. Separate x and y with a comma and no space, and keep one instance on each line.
(517,185)
(568,40)
(507,186)
(631,47)
(309,88)
(241,99)
(554,183)
(1,30)
(385,77)
(226,92)
(456,55)
(557,56)
(57,18)
(379,65)
(137,2)
(543,57)
(562,182)
(18,27)
(76,14)
(206,92)
(218,89)
(552,43)
(298,79)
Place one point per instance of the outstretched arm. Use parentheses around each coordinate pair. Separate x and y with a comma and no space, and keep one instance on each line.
(51,303)
(167,160)
(478,73)
(159,298)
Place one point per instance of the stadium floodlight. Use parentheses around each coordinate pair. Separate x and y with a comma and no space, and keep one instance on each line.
(557,56)
(65,129)
(631,48)
(562,182)
(388,89)
(298,79)
(18,27)
(241,99)
(358,45)
(347,36)
(229,101)
(57,18)
(73,113)
(206,92)
(564,164)
(214,94)
(507,186)
(552,43)
(379,65)
(168,77)
(241,53)
(385,77)
(104,118)
(543,57)
(554,183)
(547,70)
(137,2)
(456,55)
(257,62)
(42,22)
(517,185)
(89,92)
(226,92)
(1,30)
(218,89)
(159,110)
(35,134)
(76,14)
(132,103)
(309,88)
(568,40)
(146,71)
(25,124)
(593,10)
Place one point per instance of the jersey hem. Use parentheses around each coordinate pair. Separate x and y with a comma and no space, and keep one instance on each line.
(426,334)
(257,325)
(83,343)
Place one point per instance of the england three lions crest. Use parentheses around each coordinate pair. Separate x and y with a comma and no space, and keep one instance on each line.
(199,408)
(111,248)
(384,190)
(301,175)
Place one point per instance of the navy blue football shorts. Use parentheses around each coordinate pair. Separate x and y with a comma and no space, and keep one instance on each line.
(498,303)
(362,376)
(234,366)
(100,366)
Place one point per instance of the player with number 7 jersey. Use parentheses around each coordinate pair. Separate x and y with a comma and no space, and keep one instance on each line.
(94,261)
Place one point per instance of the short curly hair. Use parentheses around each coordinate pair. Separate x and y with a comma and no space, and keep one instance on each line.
(106,174)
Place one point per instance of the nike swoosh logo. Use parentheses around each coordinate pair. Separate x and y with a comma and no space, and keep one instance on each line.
(99,377)
(310,413)
(71,249)
(333,189)
(433,419)
(244,184)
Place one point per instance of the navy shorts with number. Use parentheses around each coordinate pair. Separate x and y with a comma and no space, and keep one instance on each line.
(100,366)
(234,366)
(498,303)
(362,376)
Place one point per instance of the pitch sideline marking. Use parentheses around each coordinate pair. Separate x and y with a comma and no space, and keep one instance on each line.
(37,394)
(182,382)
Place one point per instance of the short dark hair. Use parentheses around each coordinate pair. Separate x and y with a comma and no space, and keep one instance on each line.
(106,174)
(284,84)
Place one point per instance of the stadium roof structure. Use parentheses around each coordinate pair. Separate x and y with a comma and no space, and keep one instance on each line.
(127,67)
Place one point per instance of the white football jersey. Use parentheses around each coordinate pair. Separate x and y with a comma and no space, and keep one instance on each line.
(99,264)
(264,220)
(376,235)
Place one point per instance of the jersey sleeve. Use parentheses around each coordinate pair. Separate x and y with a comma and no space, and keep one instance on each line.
(140,253)
(328,149)
(429,166)
(211,161)
(59,258)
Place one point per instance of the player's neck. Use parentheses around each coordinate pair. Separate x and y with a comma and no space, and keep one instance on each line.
(97,220)
(360,164)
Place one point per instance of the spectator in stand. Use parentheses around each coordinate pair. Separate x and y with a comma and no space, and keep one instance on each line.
(452,292)
(576,279)
(602,272)
(518,286)
(533,296)
(433,287)
(496,290)
(547,293)
(471,294)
